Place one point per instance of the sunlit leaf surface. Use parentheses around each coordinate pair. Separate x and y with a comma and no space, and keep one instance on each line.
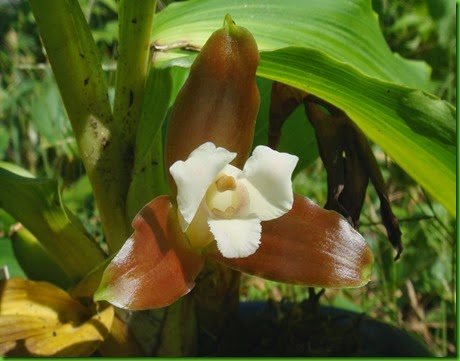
(347,30)
(37,204)
(39,319)
(386,112)
(335,51)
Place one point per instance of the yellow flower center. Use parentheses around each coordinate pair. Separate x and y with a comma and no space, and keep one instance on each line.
(225,197)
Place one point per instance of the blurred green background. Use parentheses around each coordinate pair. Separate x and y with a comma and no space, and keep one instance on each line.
(416,293)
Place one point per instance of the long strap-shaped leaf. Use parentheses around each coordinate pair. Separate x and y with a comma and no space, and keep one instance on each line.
(347,30)
(416,129)
(37,205)
(341,57)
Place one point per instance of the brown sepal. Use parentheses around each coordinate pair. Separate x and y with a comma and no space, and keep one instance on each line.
(310,246)
(155,266)
(219,101)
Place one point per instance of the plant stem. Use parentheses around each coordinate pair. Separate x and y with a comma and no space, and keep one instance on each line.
(135,24)
(74,59)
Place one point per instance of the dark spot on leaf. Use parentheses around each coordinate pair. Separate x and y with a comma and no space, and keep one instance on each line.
(86,81)
(134,20)
(105,142)
(154,162)
(131,98)
(429,116)
(129,155)
(93,123)
(82,55)
(54,334)
(142,169)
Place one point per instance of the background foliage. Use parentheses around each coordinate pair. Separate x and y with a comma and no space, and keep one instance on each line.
(416,293)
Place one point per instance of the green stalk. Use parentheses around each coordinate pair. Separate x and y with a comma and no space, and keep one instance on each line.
(148,179)
(135,26)
(74,59)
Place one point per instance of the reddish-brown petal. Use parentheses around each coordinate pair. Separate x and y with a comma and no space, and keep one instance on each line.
(155,266)
(308,245)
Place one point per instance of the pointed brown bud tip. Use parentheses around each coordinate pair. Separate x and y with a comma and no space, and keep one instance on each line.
(245,40)
(229,23)
(236,44)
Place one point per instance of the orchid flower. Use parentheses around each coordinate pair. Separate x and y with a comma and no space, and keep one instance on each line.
(233,202)
(259,226)
(238,211)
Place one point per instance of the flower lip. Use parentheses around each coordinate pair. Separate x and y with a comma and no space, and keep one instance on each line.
(236,201)
(227,197)
(194,176)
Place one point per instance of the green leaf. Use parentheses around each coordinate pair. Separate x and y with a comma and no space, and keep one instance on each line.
(135,22)
(424,106)
(415,128)
(76,195)
(36,203)
(346,30)
(8,258)
(148,178)
(344,60)
(35,261)
(49,119)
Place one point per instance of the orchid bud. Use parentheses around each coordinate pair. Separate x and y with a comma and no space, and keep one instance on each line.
(219,101)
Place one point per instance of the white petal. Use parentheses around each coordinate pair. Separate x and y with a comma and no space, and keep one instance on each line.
(195,175)
(269,173)
(236,238)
